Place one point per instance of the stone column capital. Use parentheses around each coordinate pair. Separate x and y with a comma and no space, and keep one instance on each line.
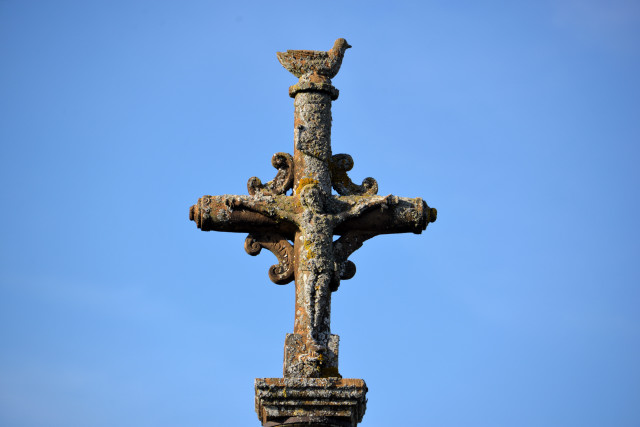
(314,87)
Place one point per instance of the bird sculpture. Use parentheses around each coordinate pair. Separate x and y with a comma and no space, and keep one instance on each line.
(302,62)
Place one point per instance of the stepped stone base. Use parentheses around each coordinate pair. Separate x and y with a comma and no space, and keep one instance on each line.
(320,402)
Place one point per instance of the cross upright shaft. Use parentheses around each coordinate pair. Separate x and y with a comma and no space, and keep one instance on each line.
(313,241)
(310,217)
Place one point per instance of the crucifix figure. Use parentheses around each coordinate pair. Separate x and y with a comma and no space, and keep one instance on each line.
(296,216)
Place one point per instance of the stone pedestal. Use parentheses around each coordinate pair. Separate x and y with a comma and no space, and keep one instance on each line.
(294,367)
(320,402)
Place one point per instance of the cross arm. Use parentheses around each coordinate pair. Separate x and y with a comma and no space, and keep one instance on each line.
(244,214)
(356,206)
(385,215)
(369,216)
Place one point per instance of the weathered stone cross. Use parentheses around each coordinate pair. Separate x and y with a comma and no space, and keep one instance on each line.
(311,216)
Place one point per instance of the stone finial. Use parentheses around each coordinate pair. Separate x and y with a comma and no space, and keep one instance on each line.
(303,62)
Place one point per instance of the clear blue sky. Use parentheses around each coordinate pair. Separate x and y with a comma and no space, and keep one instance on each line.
(518,121)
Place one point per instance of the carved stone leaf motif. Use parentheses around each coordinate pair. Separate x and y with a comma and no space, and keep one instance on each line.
(283,180)
(347,244)
(342,163)
(281,273)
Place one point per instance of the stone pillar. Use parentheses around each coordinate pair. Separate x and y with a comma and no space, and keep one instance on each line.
(312,131)
(312,392)
(311,351)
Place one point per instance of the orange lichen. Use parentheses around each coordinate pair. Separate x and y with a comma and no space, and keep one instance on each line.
(304,182)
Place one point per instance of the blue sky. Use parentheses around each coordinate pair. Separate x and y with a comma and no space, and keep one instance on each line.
(518,121)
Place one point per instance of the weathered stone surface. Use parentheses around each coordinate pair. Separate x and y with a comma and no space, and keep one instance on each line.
(294,367)
(340,164)
(303,63)
(310,401)
(281,183)
(299,230)
(281,273)
(222,213)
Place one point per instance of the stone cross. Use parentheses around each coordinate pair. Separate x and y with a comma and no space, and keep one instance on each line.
(298,227)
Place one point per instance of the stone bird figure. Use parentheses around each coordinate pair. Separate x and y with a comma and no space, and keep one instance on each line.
(301,62)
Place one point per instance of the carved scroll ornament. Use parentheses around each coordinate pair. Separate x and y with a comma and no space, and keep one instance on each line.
(283,180)
(283,272)
(341,164)
(343,247)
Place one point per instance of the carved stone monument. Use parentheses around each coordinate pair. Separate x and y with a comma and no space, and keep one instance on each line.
(299,229)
